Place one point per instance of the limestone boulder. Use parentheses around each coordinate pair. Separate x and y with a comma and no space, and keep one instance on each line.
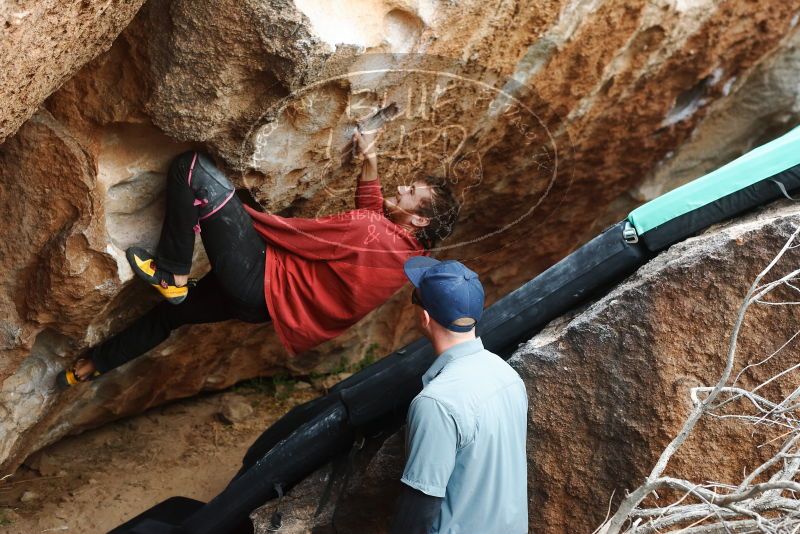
(764,106)
(609,387)
(546,116)
(44,43)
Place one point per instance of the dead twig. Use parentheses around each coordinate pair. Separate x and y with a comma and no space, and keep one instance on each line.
(771,506)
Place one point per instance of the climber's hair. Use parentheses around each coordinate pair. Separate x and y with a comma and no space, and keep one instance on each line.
(442,210)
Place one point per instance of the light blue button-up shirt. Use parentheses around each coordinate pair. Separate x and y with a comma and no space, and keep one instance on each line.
(465,441)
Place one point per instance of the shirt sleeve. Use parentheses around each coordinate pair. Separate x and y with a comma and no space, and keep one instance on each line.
(369,195)
(431,441)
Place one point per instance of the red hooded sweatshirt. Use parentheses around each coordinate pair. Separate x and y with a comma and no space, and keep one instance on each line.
(323,275)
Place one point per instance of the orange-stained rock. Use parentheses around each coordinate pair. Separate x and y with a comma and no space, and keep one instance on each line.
(552,118)
(44,43)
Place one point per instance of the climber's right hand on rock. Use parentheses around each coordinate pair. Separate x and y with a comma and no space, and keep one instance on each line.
(366,143)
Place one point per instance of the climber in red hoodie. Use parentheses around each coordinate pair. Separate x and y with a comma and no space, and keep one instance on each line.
(313,278)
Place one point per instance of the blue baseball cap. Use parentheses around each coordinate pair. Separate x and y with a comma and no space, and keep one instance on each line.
(449,292)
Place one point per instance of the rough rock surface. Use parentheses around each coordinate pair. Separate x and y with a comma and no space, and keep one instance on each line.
(763,107)
(44,43)
(544,113)
(609,386)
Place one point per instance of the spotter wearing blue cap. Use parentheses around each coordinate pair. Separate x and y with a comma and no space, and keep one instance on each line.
(450,293)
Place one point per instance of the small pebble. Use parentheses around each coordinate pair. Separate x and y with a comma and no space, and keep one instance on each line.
(29,496)
(302,386)
(235,409)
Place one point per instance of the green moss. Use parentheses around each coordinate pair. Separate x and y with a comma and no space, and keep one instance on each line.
(282,385)
(342,367)
(4,519)
(370,357)
(279,386)
(260,384)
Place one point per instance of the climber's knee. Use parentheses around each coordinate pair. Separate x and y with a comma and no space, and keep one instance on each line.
(212,189)
(181,166)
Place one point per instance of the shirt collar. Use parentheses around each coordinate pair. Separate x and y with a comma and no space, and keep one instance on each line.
(464,348)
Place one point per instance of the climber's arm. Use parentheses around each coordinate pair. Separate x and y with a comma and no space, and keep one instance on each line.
(366,146)
(415,512)
(368,191)
(431,444)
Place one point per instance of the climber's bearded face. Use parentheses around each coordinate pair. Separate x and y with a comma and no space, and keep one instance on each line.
(407,206)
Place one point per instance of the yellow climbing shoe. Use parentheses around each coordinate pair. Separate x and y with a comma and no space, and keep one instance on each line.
(144,265)
(69,377)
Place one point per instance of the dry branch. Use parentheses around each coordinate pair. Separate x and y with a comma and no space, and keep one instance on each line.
(772,506)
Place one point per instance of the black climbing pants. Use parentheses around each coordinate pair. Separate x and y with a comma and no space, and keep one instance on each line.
(233,289)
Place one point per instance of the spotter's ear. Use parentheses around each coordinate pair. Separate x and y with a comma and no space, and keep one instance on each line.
(424,318)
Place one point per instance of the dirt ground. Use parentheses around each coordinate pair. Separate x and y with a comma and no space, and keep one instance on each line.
(95,481)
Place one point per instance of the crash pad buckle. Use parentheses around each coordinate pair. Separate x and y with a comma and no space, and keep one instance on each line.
(276,520)
(629,233)
(782,187)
